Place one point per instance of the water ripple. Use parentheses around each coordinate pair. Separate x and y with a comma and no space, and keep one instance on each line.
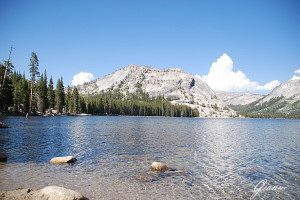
(216,158)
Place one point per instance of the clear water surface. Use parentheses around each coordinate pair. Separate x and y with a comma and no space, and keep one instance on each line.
(211,158)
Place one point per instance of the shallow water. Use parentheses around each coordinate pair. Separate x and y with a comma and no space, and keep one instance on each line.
(212,158)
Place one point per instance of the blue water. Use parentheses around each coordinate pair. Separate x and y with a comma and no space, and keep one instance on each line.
(211,158)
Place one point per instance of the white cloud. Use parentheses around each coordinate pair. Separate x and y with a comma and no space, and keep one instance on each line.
(222,77)
(269,86)
(82,77)
(296,74)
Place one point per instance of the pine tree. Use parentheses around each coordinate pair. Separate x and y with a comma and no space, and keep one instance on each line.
(46,89)
(16,82)
(69,104)
(82,107)
(34,63)
(25,94)
(42,94)
(76,101)
(6,88)
(20,93)
(51,94)
(60,96)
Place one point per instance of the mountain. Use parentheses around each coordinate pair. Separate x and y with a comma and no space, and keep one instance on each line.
(283,101)
(173,84)
(290,91)
(234,98)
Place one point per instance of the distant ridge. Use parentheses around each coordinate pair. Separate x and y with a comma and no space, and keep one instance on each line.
(283,101)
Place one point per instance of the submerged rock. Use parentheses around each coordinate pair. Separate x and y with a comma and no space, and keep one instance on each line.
(65,159)
(3,157)
(2,125)
(47,193)
(158,174)
(159,166)
(145,177)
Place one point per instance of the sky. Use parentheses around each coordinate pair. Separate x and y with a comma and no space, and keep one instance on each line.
(247,45)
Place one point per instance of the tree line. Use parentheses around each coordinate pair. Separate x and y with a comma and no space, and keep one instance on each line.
(38,96)
(137,104)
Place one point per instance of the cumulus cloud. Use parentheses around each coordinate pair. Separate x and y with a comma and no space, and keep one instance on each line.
(269,86)
(296,74)
(222,77)
(82,77)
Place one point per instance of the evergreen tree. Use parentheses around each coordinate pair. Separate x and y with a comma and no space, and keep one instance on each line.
(51,94)
(20,93)
(6,87)
(69,104)
(60,96)
(76,101)
(25,94)
(46,89)
(34,63)
(16,82)
(42,94)
(82,107)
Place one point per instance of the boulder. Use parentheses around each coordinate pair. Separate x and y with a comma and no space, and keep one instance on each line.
(2,125)
(3,157)
(65,159)
(58,193)
(47,193)
(159,166)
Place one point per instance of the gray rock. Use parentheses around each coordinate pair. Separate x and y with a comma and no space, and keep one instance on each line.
(159,166)
(47,193)
(2,125)
(65,159)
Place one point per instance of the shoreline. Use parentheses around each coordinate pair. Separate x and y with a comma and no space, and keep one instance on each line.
(86,115)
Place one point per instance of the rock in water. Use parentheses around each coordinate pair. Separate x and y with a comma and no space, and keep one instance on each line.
(159,166)
(65,159)
(3,157)
(47,193)
(2,125)
(55,193)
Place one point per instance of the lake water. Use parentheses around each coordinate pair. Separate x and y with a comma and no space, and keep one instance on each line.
(212,158)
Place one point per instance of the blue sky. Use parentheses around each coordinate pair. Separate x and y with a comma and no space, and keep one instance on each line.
(261,37)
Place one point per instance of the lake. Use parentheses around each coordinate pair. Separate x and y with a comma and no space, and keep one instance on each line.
(211,158)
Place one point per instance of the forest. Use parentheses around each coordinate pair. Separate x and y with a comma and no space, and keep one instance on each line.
(269,109)
(38,96)
(137,104)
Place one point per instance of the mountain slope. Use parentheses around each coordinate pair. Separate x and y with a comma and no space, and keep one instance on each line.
(232,98)
(290,90)
(284,100)
(173,84)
